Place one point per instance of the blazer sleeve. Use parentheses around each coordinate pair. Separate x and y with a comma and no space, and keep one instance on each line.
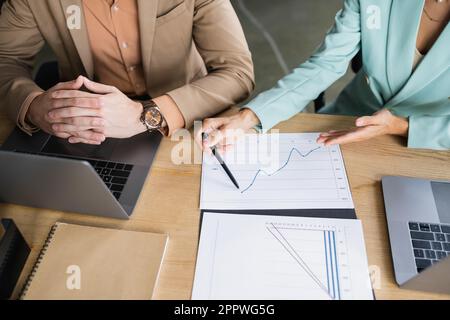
(220,40)
(20,42)
(429,132)
(330,62)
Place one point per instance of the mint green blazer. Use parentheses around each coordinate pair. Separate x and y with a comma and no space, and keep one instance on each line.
(386,32)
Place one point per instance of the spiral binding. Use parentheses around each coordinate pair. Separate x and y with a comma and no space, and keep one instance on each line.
(38,262)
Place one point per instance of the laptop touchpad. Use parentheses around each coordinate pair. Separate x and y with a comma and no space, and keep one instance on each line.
(441,193)
(62,147)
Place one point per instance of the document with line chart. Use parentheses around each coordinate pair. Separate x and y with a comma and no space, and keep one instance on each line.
(282,171)
(272,258)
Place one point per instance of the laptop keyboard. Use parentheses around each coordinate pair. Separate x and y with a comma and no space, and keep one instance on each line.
(431,243)
(114,175)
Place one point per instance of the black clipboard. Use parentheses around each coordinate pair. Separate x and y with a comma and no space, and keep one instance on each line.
(304,213)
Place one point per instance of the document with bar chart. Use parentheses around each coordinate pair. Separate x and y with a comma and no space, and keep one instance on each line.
(271,257)
(282,171)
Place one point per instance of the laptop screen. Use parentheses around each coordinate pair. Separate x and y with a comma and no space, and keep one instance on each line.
(441,193)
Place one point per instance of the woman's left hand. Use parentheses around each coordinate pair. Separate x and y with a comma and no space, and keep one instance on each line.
(381,123)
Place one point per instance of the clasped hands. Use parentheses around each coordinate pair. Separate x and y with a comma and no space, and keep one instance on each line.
(90,117)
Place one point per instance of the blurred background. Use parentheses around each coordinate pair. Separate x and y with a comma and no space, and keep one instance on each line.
(281,35)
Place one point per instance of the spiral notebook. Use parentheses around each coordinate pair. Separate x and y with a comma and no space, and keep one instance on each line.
(88,263)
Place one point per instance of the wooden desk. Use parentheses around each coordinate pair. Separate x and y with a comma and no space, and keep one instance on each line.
(175,188)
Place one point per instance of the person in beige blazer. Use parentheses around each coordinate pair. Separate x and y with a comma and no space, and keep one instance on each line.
(126,66)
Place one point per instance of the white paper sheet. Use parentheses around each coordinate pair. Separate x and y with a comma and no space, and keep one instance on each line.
(272,257)
(285,171)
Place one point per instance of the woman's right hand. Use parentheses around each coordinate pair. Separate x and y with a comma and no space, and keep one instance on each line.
(223,132)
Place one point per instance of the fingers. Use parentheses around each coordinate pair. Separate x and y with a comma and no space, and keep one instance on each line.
(92,122)
(88,137)
(69,85)
(381,117)
(84,141)
(341,139)
(62,135)
(332,133)
(215,138)
(72,112)
(64,94)
(366,121)
(355,135)
(223,139)
(222,133)
(208,127)
(98,87)
(61,128)
(77,102)
(327,135)
(330,139)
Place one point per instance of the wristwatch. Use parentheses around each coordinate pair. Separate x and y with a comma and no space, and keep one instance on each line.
(152,117)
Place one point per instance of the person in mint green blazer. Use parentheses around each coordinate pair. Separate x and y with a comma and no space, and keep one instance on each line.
(403,87)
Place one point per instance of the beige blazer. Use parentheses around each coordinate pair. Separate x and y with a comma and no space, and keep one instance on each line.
(193,50)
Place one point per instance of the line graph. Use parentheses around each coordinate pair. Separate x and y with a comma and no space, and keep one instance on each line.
(275,257)
(332,286)
(298,259)
(261,171)
(296,174)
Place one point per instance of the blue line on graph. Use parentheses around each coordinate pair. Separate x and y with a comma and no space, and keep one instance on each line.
(332,267)
(337,267)
(281,168)
(326,260)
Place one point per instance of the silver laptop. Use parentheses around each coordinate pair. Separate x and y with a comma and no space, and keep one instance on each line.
(418,217)
(46,172)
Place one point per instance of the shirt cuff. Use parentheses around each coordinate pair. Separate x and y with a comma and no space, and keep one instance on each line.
(22,116)
(258,128)
(171,113)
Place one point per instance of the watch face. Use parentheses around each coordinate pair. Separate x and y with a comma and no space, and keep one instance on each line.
(153,118)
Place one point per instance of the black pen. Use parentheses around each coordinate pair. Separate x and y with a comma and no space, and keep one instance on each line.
(222,163)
